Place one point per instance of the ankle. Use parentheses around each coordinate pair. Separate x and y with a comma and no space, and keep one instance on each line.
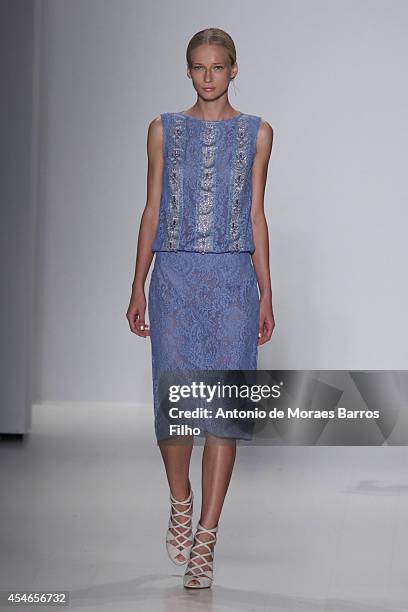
(207,524)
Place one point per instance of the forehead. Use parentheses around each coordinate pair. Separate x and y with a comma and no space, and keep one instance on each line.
(208,54)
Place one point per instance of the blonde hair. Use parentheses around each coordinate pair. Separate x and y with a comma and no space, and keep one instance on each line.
(212,36)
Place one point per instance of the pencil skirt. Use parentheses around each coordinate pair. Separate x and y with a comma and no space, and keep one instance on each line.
(203,313)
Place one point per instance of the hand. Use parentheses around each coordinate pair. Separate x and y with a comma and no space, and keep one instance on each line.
(136,315)
(266,321)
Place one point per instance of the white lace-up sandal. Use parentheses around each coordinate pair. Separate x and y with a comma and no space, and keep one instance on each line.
(194,571)
(183,540)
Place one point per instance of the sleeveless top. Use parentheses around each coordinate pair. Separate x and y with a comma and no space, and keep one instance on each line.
(207,184)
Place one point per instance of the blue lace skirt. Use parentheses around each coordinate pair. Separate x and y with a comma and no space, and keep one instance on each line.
(203,315)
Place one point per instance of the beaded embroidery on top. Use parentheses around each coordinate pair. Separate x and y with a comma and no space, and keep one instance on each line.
(207,184)
(238,175)
(176,184)
(206,195)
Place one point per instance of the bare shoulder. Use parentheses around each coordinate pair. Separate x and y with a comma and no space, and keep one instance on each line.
(155,127)
(155,135)
(265,130)
(265,137)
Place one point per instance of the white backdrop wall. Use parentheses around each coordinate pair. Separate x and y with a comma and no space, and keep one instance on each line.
(330,79)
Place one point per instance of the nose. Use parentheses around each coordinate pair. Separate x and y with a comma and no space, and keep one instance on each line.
(207,77)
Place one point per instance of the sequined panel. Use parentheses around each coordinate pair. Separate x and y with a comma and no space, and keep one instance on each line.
(174,214)
(238,173)
(206,189)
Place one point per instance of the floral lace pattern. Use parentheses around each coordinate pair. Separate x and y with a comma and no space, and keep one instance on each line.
(203,314)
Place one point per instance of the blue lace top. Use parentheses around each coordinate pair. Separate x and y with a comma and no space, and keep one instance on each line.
(207,184)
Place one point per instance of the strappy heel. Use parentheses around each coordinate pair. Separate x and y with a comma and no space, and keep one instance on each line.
(183,541)
(194,570)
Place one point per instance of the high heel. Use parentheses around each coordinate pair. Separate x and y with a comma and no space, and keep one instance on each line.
(194,570)
(184,543)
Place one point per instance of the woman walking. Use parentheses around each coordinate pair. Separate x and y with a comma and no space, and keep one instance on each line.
(204,220)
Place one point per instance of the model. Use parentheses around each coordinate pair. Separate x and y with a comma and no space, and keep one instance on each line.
(204,219)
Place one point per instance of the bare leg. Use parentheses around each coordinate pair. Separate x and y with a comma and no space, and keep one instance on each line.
(217,465)
(176,457)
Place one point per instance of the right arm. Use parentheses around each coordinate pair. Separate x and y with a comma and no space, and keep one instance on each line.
(147,229)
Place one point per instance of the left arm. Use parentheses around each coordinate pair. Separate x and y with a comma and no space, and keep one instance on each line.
(260,257)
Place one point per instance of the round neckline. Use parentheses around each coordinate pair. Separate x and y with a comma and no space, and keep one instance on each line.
(210,120)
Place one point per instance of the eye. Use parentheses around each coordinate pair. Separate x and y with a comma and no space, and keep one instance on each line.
(218,67)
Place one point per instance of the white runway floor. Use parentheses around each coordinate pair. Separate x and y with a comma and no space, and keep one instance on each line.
(84,507)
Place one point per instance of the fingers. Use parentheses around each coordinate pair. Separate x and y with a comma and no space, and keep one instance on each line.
(265,330)
(142,328)
(131,316)
(138,324)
